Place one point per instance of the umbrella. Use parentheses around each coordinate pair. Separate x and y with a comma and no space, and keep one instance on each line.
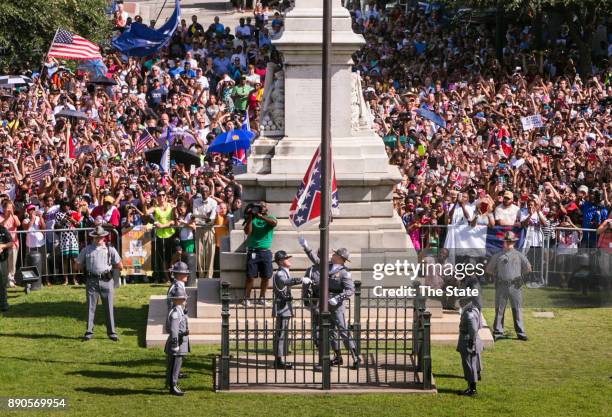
(228,142)
(67,112)
(13,81)
(95,67)
(429,115)
(177,153)
(101,80)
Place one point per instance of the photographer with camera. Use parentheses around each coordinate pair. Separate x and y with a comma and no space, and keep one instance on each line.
(259,227)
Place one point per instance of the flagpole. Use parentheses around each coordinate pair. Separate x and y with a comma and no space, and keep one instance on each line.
(45,61)
(325,194)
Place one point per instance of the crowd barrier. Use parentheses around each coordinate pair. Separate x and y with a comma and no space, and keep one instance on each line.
(555,253)
(145,252)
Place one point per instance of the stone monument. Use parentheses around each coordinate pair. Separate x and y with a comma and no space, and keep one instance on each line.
(291,122)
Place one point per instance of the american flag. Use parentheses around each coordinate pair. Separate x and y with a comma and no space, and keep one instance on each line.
(142,142)
(72,46)
(39,173)
(306,205)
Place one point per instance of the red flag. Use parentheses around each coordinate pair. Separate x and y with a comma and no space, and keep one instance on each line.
(306,205)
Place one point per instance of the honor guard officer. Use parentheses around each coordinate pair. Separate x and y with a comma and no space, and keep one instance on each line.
(282,309)
(180,275)
(469,344)
(507,267)
(310,291)
(177,344)
(341,288)
(98,260)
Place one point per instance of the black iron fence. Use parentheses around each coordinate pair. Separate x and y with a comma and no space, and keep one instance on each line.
(391,336)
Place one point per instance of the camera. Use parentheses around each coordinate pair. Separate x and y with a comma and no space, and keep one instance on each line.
(253,209)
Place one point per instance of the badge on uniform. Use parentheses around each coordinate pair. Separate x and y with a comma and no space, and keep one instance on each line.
(253,255)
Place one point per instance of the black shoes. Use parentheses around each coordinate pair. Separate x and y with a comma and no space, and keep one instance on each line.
(470,392)
(337,361)
(280,364)
(113,337)
(87,336)
(522,337)
(174,390)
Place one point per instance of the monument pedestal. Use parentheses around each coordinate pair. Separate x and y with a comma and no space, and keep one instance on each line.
(291,120)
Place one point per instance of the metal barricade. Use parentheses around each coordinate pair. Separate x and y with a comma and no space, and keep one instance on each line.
(570,248)
(552,251)
(201,253)
(391,336)
(56,256)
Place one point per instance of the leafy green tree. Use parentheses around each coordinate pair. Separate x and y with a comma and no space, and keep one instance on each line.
(27,28)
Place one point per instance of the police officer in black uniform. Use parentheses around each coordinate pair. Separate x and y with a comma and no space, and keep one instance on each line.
(282,309)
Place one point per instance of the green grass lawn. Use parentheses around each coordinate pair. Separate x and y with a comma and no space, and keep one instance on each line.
(564,370)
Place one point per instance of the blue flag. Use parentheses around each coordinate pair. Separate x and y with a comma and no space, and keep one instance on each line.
(140,40)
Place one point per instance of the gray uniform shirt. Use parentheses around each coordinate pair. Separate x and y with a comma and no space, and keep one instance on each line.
(341,285)
(508,265)
(282,283)
(96,258)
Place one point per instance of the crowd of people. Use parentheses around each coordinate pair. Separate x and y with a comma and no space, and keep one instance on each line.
(68,173)
(450,113)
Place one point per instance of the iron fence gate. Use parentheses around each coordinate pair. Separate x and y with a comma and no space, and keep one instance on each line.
(392,337)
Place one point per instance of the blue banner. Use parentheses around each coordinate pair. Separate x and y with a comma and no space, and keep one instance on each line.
(140,40)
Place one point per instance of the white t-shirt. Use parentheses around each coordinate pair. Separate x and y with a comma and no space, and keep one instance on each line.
(534,235)
(186,233)
(459,218)
(506,215)
(253,79)
(34,239)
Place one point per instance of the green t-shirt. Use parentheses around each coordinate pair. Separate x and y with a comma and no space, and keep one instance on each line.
(261,234)
(163,217)
(242,93)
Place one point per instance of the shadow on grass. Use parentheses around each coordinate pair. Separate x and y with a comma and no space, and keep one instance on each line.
(447,376)
(125,317)
(39,336)
(200,363)
(117,374)
(121,391)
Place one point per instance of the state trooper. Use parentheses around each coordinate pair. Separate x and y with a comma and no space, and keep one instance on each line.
(98,261)
(469,344)
(507,267)
(180,275)
(310,292)
(282,309)
(177,344)
(341,288)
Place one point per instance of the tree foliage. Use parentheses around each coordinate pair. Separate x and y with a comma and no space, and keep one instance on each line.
(27,28)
